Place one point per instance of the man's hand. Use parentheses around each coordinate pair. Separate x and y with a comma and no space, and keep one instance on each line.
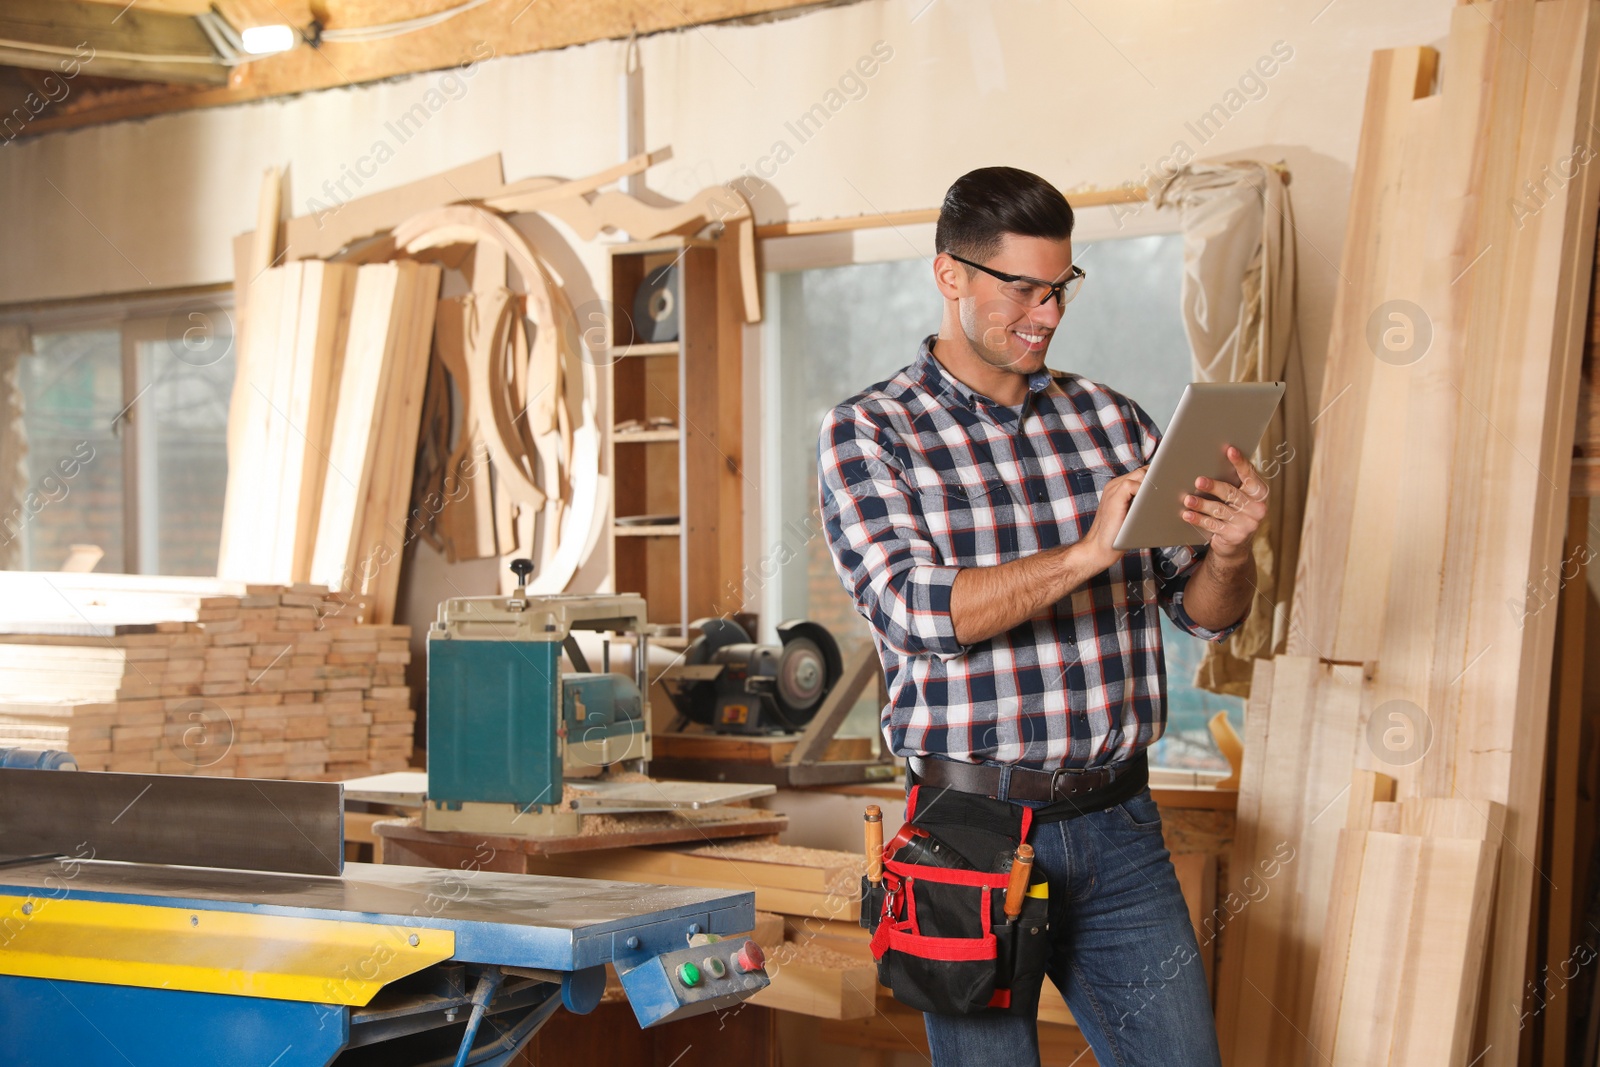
(1115,500)
(1229,516)
(985,601)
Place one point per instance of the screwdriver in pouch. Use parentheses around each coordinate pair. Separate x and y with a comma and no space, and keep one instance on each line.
(874,831)
(1017,888)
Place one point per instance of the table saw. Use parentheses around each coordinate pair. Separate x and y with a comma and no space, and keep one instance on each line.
(176,920)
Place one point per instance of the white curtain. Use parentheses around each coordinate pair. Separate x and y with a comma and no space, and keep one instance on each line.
(1239,312)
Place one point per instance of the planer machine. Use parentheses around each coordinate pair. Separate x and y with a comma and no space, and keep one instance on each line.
(208,921)
(519,745)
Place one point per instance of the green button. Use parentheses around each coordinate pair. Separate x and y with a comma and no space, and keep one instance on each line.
(689,974)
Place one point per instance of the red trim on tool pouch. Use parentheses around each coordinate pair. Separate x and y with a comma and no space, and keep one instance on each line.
(950,875)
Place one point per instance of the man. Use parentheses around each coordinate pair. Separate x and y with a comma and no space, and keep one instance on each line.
(970,504)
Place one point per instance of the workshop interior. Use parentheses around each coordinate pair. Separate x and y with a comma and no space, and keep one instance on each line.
(422,639)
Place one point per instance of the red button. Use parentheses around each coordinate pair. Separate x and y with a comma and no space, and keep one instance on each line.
(750,958)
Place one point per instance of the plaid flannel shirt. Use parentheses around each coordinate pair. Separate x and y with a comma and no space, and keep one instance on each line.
(919,476)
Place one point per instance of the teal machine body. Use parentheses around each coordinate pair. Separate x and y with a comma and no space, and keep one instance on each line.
(507,724)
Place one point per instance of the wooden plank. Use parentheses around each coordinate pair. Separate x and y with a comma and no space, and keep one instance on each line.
(811,980)
(374,340)
(283,414)
(1488,423)
(733,309)
(326,231)
(1408,963)
(704,456)
(153,46)
(530,194)
(1404,394)
(1367,789)
(1494,708)
(269,682)
(384,530)
(1398,77)
(264,243)
(818,883)
(1562,793)
(321,346)
(462,42)
(275,296)
(1300,751)
(762,750)
(1586,477)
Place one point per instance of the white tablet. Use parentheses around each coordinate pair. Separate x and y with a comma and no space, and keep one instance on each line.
(1210,417)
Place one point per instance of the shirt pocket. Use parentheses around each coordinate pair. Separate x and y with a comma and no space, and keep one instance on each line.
(970,522)
(1078,509)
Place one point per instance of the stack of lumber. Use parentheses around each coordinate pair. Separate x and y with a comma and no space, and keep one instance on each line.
(1417,874)
(254,681)
(323,427)
(1456,345)
(90,604)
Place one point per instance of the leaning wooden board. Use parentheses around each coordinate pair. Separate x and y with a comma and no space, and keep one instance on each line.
(1408,568)
(1398,981)
(283,408)
(361,528)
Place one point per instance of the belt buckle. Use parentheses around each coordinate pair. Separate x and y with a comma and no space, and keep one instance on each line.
(1055,781)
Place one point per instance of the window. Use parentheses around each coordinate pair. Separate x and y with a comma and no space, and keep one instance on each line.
(125,417)
(834,329)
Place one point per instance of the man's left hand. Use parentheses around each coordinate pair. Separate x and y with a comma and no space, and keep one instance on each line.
(1229,515)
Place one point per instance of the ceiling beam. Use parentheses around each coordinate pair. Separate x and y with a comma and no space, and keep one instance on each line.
(107,41)
(495,29)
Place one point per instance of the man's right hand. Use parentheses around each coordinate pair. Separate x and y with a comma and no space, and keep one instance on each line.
(1115,500)
(985,601)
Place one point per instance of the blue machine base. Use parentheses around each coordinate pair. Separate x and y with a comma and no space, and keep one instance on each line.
(48,1023)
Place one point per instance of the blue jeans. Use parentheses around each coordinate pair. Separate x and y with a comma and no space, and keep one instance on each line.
(1125,956)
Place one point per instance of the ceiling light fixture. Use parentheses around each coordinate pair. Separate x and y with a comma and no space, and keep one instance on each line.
(268,40)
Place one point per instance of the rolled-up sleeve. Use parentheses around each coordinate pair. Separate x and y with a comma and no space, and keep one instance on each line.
(877,538)
(1174,568)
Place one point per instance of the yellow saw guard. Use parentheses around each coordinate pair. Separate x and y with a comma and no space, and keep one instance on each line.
(279,957)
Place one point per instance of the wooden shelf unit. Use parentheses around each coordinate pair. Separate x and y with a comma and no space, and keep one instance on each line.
(690,568)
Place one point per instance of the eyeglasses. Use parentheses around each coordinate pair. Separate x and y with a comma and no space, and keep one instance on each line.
(1031,292)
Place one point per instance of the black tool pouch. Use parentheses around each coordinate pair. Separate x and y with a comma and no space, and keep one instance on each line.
(940,934)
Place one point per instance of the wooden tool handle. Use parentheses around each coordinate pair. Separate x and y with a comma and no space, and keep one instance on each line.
(874,829)
(1021,869)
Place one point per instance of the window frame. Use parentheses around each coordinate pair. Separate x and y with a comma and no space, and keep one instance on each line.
(885,243)
(138,319)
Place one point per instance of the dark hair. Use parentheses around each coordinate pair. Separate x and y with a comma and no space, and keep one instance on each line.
(986,204)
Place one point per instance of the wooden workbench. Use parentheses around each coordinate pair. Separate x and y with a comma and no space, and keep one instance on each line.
(1198,821)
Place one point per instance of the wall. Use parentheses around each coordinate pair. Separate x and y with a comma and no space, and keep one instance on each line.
(1094,92)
